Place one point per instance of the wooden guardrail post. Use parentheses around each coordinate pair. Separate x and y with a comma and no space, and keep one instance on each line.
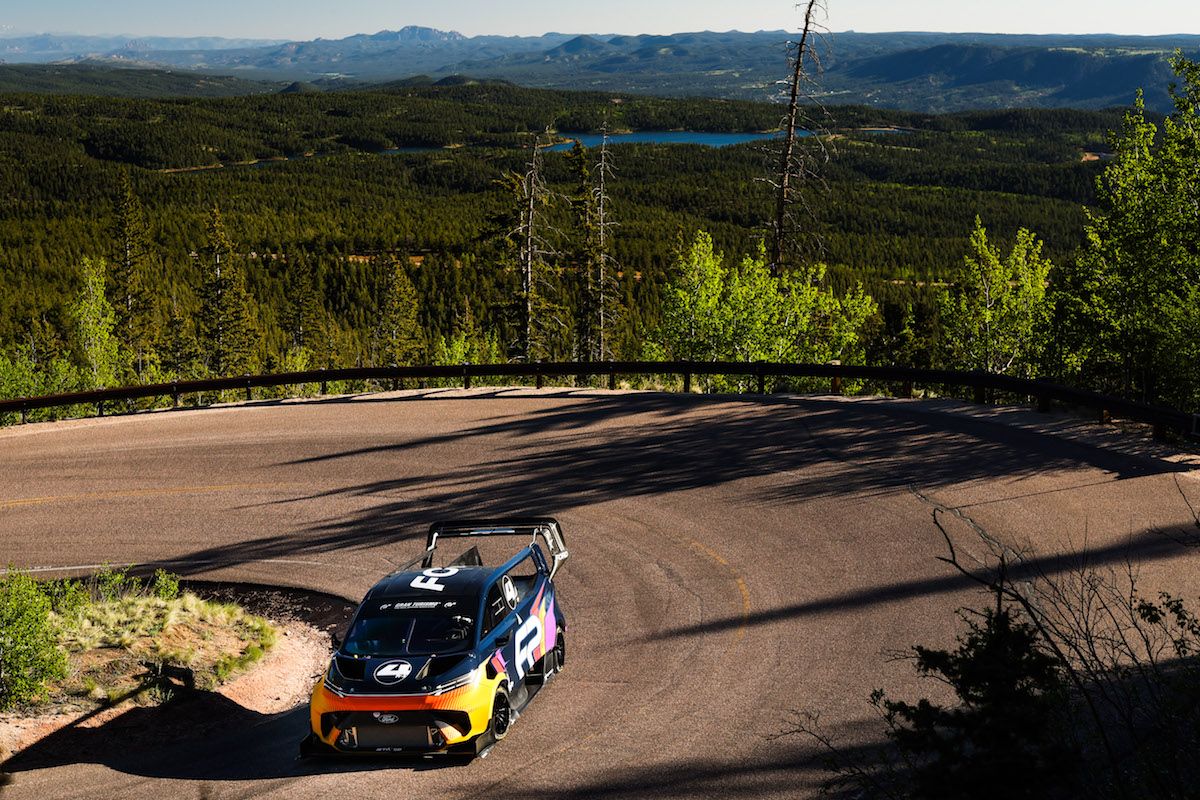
(612,379)
(175,395)
(762,378)
(539,379)
(249,391)
(981,395)
(466,375)
(687,383)
(906,390)
(835,383)
(100,408)
(324,383)
(24,414)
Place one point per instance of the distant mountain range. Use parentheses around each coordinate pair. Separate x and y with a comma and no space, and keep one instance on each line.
(916,71)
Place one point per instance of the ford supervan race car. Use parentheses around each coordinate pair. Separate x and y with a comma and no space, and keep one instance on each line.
(442,659)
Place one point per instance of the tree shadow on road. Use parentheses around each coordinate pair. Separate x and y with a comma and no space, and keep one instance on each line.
(595,448)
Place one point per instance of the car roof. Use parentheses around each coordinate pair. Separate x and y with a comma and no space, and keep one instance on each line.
(467,582)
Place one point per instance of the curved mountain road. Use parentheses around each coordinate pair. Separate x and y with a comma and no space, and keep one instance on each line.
(734,560)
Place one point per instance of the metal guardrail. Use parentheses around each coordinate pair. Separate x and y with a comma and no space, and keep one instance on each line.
(982,384)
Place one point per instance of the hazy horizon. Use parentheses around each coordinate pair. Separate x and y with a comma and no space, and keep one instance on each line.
(311,19)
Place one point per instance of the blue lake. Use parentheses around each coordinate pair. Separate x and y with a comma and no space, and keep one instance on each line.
(595,139)
(665,137)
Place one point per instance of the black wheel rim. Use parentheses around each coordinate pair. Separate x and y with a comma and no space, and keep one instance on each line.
(500,716)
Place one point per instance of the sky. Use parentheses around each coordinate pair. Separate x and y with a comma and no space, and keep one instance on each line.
(309,19)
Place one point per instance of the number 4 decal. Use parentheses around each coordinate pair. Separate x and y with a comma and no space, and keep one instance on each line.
(428,579)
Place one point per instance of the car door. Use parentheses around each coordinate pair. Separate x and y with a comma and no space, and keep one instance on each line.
(500,621)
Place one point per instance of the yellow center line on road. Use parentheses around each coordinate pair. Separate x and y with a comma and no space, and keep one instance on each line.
(128,493)
(737,578)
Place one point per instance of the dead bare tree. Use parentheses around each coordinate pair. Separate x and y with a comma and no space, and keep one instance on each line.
(606,265)
(530,234)
(799,163)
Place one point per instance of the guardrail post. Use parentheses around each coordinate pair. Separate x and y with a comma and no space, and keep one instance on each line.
(612,379)
(539,379)
(100,408)
(906,391)
(687,383)
(762,379)
(466,376)
(175,395)
(835,384)
(324,383)
(24,415)
(249,391)
(981,395)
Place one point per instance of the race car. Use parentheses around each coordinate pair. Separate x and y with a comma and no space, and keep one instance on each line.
(443,659)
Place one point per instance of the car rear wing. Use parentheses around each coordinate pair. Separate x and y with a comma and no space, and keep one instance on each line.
(545,528)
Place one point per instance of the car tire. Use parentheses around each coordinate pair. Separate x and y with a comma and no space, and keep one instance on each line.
(560,650)
(502,715)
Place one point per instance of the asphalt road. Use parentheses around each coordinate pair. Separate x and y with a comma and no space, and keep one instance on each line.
(734,561)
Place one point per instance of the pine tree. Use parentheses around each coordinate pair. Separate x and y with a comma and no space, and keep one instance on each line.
(132,302)
(94,327)
(305,317)
(229,333)
(398,330)
(178,348)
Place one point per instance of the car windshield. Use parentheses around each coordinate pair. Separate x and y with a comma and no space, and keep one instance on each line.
(407,627)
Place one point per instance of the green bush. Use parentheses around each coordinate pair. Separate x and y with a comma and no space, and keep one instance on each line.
(67,596)
(113,584)
(29,654)
(164,585)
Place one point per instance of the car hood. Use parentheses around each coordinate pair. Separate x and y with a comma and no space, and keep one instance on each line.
(396,674)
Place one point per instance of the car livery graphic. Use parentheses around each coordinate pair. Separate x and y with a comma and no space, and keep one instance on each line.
(444,659)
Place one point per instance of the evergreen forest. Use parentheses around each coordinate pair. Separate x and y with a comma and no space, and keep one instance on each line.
(143,240)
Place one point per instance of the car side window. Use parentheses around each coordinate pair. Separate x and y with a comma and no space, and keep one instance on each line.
(524,577)
(496,608)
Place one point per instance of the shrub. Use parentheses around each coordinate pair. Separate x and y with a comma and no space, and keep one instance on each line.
(164,585)
(29,654)
(67,597)
(112,584)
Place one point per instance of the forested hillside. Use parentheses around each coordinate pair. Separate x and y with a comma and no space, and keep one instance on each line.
(331,243)
(932,72)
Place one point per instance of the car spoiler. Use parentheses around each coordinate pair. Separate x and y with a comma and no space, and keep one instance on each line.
(545,528)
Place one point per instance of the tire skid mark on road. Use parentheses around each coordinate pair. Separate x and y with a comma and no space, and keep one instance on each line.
(575,744)
(166,491)
(738,580)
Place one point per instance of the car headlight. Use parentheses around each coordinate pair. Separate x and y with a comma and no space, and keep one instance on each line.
(471,678)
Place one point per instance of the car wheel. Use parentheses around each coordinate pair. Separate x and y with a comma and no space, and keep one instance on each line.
(560,651)
(501,715)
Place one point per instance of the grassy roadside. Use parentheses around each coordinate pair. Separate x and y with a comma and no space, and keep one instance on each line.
(80,644)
